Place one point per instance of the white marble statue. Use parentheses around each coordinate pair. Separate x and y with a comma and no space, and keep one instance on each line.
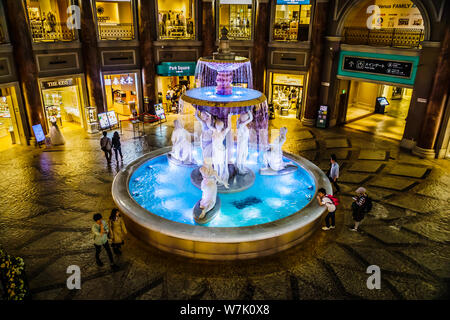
(206,137)
(243,135)
(181,141)
(209,187)
(219,154)
(273,158)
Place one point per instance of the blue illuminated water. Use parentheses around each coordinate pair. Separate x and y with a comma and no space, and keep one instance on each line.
(166,190)
(209,93)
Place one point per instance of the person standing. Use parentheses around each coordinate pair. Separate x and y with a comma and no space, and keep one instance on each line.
(333,174)
(100,230)
(117,231)
(117,146)
(359,207)
(106,145)
(325,200)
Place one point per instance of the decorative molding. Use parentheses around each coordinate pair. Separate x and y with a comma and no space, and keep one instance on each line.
(117,43)
(438,12)
(58,55)
(385,50)
(431,44)
(424,153)
(8,67)
(118,53)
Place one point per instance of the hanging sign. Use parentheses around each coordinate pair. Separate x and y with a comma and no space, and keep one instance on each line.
(293,2)
(177,69)
(377,66)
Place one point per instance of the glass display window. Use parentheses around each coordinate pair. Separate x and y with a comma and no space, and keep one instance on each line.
(115,19)
(237,17)
(121,94)
(10,122)
(3,28)
(48,20)
(292,19)
(176,19)
(62,101)
(286,91)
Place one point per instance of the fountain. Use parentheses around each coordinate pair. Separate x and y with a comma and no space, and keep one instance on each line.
(226,196)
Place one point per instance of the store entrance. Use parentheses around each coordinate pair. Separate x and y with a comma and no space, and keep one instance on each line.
(286,93)
(171,89)
(363,113)
(121,94)
(63,103)
(9,124)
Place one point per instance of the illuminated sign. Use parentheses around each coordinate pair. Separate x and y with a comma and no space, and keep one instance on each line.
(38,133)
(103,121)
(57,83)
(293,2)
(112,118)
(179,69)
(160,113)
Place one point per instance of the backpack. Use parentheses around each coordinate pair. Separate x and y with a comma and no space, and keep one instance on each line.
(333,199)
(368,205)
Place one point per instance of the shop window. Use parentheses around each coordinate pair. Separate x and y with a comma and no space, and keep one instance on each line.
(176,19)
(286,92)
(10,120)
(237,17)
(115,19)
(48,20)
(121,94)
(292,19)
(3,30)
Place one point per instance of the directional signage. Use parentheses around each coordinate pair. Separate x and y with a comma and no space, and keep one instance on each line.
(178,69)
(380,67)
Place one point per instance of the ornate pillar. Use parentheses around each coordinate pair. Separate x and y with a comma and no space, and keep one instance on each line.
(91,56)
(259,53)
(436,102)
(25,62)
(146,51)
(208,27)
(315,63)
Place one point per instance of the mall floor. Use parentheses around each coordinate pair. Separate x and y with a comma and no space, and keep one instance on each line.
(49,196)
(390,125)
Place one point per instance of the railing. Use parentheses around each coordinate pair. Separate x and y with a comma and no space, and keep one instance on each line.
(400,38)
(43,32)
(122,31)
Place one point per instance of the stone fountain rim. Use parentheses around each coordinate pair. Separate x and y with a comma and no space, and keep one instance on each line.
(223,104)
(197,233)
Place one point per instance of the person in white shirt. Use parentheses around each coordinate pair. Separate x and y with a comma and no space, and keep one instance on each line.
(326,201)
(333,173)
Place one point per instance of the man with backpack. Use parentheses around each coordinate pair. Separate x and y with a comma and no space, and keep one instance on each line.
(362,204)
(106,145)
(331,203)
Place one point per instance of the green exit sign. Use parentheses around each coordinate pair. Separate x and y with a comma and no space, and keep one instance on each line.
(178,69)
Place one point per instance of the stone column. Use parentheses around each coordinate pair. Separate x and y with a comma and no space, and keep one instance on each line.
(146,51)
(208,27)
(25,62)
(436,102)
(261,36)
(315,62)
(91,56)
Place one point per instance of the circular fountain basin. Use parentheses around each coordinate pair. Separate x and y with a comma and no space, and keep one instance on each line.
(271,216)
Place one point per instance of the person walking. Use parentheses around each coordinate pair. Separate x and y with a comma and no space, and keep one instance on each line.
(331,203)
(333,173)
(106,145)
(117,231)
(117,146)
(100,230)
(361,205)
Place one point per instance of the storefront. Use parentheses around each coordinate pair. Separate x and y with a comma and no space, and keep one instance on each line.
(292,20)
(122,93)
(174,78)
(237,17)
(375,91)
(115,19)
(176,19)
(286,92)
(64,99)
(12,121)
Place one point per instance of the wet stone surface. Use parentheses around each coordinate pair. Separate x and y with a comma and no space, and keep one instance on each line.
(49,196)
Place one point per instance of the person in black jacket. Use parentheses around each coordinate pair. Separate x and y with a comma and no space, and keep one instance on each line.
(117,146)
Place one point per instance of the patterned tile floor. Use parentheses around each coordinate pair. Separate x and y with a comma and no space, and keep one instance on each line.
(49,195)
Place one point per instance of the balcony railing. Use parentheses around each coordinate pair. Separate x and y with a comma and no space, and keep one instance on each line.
(399,38)
(122,31)
(43,32)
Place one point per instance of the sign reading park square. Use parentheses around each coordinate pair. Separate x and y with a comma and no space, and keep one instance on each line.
(378,66)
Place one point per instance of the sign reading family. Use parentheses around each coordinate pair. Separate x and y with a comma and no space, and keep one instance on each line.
(293,2)
(178,69)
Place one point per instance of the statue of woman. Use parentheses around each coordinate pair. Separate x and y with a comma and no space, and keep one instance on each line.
(209,187)
(219,154)
(206,144)
(243,135)
(182,146)
(274,157)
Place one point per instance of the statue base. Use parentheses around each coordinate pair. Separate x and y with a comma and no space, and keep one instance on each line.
(237,182)
(211,214)
(180,163)
(290,168)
